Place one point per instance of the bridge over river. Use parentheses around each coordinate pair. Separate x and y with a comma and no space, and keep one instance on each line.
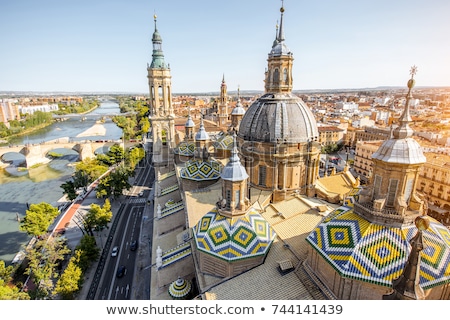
(38,153)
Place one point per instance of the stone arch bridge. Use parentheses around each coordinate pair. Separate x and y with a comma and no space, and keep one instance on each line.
(38,153)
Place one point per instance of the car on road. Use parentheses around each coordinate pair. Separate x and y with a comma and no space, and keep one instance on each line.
(114,251)
(141,193)
(121,271)
(133,245)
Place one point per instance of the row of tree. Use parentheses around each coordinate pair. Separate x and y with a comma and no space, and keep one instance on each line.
(52,269)
(27,122)
(136,124)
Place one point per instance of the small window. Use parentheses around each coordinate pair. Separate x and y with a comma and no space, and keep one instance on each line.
(262,176)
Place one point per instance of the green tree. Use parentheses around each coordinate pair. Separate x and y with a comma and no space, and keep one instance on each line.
(134,155)
(38,219)
(116,153)
(89,252)
(98,217)
(69,189)
(44,258)
(92,168)
(115,183)
(69,284)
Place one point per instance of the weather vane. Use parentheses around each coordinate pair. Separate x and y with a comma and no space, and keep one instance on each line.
(413,71)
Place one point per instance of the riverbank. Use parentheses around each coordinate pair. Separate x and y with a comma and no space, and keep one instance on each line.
(7,140)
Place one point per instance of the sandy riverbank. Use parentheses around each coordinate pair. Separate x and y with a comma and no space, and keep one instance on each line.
(97,129)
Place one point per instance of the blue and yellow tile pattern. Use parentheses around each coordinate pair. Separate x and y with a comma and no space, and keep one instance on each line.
(234,238)
(185,148)
(225,142)
(362,250)
(199,170)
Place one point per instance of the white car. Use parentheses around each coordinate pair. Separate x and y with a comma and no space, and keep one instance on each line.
(114,251)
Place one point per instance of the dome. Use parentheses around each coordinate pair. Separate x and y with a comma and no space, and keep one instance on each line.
(189,123)
(234,239)
(199,170)
(366,251)
(279,117)
(180,288)
(185,148)
(201,134)
(234,170)
(238,110)
(405,151)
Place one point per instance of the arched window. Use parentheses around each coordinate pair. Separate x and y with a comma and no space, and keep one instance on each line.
(276,77)
(285,75)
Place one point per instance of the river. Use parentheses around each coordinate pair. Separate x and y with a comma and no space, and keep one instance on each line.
(20,188)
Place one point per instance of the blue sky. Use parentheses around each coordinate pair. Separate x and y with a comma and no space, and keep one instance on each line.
(105,45)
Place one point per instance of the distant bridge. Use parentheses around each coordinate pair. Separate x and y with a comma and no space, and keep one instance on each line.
(90,115)
(37,153)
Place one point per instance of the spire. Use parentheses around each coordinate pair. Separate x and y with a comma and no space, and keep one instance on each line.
(278,76)
(403,130)
(281,33)
(275,42)
(157,56)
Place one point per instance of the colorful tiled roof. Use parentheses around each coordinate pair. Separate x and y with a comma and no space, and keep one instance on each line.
(199,170)
(175,254)
(224,142)
(359,249)
(235,238)
(185,148)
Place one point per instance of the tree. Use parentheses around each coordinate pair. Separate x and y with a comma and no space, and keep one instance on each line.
(92,168)
(69,189)
(89,252)
(98,217)
(38,219)
(117,153)
(44,258)
(71,280)
(134,155)
(115,182)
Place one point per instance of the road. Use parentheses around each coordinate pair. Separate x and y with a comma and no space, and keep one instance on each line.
(125,229)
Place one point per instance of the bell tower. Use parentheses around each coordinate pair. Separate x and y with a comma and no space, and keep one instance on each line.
(278,77)
(223,104)
(162,116)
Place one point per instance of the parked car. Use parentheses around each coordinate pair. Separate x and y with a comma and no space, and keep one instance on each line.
(114,251)
(133,245)
(121,271)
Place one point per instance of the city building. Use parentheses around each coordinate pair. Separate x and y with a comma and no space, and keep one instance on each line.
(9,110)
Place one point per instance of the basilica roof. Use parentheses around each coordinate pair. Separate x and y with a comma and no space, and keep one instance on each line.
(359,249)
(185,148)
(279,117)
(233,238)
(224,141)
(200,170)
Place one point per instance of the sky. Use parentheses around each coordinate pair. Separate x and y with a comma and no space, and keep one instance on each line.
(105,45)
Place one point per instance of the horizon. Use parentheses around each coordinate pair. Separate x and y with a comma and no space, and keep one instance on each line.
(105,46)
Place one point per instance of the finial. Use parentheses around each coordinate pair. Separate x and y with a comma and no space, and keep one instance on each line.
(412,82)
(422,223)
(282,6)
